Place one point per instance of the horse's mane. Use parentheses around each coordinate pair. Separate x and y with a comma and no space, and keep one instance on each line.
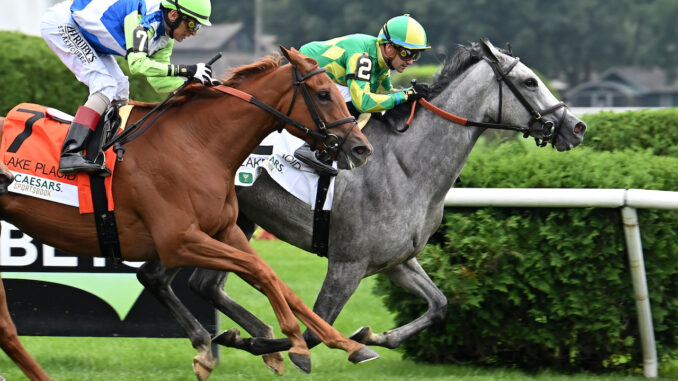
(463,58)
(236,76)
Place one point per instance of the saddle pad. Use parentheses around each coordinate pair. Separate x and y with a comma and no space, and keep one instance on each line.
(275,155)
(31,146)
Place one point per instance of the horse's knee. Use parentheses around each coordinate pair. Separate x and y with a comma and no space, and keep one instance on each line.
(150,277)
(8,333)
(206,284)
(311,339)
(439,307)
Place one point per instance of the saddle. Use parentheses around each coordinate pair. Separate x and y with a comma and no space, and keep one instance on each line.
(31,144)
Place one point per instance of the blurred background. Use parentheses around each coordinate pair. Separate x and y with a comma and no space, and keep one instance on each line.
(594,53)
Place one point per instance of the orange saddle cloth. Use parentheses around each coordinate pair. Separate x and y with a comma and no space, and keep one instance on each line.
(30,147)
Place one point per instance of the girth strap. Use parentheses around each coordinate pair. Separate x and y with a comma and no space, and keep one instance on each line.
(321,218)
(107,230)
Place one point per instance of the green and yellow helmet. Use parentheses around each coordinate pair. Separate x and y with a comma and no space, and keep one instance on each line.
(200,10)
(403,31)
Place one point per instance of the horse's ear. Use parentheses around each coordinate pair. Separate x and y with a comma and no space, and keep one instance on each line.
(302,62)
(490,51)
(285,53)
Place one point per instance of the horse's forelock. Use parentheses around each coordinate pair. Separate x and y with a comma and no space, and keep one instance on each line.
(237,75)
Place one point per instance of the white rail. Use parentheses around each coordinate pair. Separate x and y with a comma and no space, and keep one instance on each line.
(627,199)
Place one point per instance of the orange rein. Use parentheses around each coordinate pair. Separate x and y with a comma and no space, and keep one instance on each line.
(436,110)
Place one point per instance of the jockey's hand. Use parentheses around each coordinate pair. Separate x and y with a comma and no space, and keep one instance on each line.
(411,95)
(423,89)
(417,91)
(200,72)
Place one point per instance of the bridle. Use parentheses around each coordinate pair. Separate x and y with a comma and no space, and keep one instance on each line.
(549,130)
(546,128)
(331,142)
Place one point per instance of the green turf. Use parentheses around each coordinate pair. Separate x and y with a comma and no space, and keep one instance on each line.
(170,359)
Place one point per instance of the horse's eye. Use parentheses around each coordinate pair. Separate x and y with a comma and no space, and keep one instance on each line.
(324,95)
(531,82)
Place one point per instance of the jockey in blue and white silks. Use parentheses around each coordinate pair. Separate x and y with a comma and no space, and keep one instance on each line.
(87,34)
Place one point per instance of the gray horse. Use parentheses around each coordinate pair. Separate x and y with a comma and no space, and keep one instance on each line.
(384,212)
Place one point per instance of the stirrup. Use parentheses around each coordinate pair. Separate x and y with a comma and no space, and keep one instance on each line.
(308,157)
(79,164)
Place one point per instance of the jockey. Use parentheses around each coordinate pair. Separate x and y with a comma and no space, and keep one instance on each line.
(360,67)
(87,34)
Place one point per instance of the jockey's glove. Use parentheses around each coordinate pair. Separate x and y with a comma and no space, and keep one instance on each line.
(419,90)
(200,72)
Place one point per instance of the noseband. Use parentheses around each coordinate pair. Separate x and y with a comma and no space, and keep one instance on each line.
(549,130)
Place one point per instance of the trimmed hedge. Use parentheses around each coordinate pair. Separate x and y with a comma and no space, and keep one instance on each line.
(656,130)
(31,72)
(536,287)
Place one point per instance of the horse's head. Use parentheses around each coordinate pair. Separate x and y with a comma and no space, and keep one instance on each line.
(334,130)
(522,100)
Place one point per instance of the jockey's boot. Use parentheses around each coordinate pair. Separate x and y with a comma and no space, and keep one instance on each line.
(72,153)
(321,163)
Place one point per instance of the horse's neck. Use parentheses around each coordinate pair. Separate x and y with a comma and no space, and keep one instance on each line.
(232,128)
(433,151)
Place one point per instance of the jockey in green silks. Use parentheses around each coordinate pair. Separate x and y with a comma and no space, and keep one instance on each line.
(87,34)
(360,65)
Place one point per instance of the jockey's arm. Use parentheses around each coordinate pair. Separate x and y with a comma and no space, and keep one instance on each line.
(156,68)
(358,79)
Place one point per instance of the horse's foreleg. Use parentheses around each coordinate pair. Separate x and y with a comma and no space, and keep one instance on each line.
(358,352)
(196,249)
(209,284)
(340,283)
(9,342)
(412,277)
(157,279)
(331,337)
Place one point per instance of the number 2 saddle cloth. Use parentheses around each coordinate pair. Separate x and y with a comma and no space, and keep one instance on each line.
(30,147)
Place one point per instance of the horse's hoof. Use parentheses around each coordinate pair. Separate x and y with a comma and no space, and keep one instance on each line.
(275,362)
(362,355)
(202,368)
(361,335)
(303,362)
(227,338)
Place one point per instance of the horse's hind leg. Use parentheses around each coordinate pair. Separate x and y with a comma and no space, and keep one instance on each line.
(157,279)
(412,277)
(9,341)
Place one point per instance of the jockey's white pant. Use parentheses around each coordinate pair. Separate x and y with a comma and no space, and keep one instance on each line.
(101,73)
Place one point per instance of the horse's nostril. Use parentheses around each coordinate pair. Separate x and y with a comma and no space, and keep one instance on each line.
(580,128)
(360,150)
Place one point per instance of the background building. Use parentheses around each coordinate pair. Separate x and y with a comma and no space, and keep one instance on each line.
(626,87)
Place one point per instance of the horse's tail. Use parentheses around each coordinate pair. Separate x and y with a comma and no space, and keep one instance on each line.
(9,342)
(6,177)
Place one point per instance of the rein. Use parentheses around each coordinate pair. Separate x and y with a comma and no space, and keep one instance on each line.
(330,141)
(548,128)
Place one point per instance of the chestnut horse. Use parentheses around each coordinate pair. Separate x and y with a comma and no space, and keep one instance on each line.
(164,213)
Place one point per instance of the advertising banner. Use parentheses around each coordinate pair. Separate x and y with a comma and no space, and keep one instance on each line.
(54,293)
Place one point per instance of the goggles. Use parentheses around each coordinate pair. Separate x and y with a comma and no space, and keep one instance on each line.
(407,54)
(191,24)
